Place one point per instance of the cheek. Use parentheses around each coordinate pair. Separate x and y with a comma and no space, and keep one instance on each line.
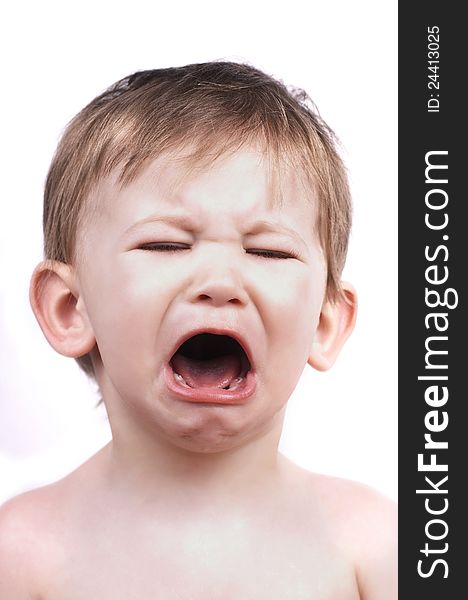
(125,307)
(126,287)
(293,301)
(293,315)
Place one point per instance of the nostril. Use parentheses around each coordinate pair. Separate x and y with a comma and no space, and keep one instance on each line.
(205,297)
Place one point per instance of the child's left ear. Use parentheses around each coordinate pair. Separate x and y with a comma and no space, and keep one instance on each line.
(335,325)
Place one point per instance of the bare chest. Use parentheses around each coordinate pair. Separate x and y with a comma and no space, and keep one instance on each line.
(202,565)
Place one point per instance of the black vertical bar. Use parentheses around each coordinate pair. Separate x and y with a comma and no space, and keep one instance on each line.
(433,332)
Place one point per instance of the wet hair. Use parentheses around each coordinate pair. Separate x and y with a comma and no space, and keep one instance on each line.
(209,110)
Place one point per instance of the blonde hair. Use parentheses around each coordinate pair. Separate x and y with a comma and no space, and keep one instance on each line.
(213,107)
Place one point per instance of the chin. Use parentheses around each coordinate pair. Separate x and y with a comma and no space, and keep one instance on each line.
(208,433)
(206,442)
(208,429)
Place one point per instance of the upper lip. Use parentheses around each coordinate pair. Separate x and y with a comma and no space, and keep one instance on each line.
(240,339)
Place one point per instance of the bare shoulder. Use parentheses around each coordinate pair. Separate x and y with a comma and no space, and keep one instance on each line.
(26,544)
(35,527)
(353,503)
(365,522)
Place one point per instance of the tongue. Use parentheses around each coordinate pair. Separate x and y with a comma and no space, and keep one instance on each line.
(216,372)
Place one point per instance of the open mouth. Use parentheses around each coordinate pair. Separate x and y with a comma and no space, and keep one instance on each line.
(211,368)
(210,361)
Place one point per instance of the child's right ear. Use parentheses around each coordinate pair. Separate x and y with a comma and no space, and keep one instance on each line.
(60,310)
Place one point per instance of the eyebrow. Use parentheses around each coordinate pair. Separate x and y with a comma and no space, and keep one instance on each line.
(180,221)
(187,223)
(264,226)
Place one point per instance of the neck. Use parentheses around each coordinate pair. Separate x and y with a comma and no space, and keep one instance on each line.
(149,466)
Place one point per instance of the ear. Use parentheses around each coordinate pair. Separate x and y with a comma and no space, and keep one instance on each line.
(60,310)
(335,325)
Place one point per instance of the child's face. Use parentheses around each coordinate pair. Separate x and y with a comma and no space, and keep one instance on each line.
(234,262)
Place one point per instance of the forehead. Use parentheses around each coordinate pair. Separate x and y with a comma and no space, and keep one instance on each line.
(240,185)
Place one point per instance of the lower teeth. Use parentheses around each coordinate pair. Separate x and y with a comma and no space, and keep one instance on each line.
(232,386)
(180,379)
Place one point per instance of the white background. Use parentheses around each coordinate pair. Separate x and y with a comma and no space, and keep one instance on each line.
(56,58)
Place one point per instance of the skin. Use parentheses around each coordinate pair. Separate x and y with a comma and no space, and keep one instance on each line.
(193,500)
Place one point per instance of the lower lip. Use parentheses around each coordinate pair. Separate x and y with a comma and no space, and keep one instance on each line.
(210,395)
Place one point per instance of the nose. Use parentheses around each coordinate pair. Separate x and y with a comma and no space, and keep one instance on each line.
(218,284)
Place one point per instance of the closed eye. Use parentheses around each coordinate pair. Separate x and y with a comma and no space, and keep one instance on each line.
(177,247)
(271,253)
(164,247)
